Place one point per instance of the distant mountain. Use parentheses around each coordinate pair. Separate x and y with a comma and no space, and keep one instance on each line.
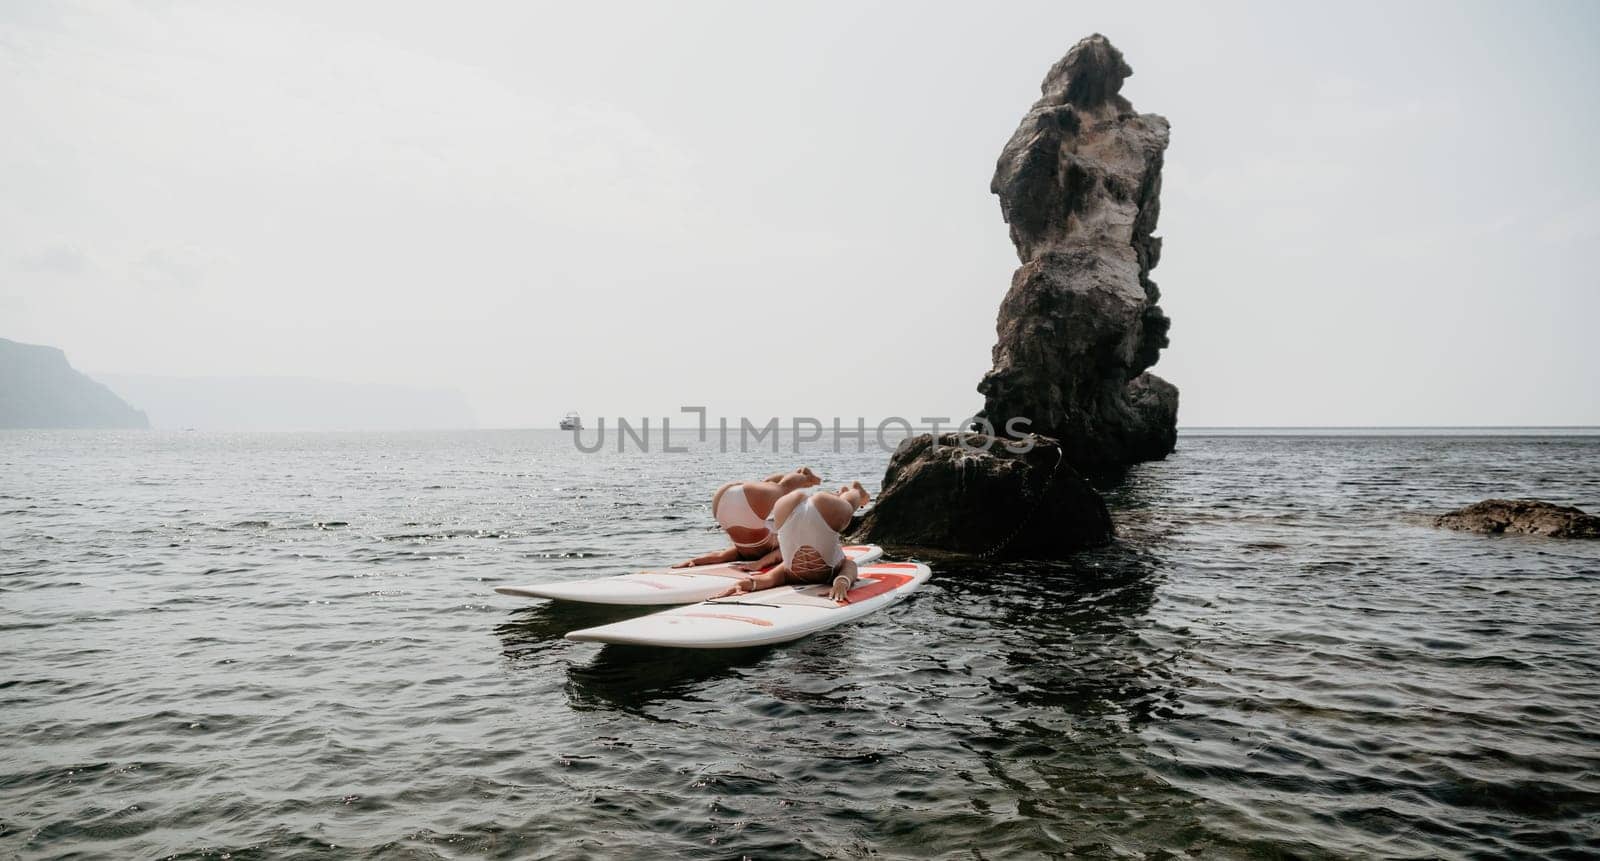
(290,403)
(39,389)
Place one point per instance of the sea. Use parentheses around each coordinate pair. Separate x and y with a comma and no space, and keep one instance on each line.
(288,645)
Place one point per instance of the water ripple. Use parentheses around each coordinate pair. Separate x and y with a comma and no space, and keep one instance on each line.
(281,645)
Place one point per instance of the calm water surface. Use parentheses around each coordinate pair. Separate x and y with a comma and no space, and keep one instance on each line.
(265,646)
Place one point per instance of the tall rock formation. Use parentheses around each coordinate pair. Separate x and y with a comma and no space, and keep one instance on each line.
(38,389)
(1080,183)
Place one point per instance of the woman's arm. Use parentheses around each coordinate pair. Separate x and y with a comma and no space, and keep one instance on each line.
(769,579)
(715,557)
(773,557)
(844,579)
(764,580)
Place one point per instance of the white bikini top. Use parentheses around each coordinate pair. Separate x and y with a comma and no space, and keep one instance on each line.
(806,528)
(733,509)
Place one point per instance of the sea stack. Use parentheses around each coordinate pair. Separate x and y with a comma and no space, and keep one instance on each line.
(1080,183)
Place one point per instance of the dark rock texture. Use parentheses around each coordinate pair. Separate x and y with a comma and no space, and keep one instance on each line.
(1522,516)
(968,493)
(1079,183)
(38,389)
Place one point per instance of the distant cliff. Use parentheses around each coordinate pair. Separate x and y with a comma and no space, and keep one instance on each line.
(39,389)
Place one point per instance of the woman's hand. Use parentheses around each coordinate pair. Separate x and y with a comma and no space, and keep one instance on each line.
(715,557)
(757,565)
(846,578)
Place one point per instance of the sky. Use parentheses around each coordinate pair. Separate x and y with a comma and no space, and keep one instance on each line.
(1374,214)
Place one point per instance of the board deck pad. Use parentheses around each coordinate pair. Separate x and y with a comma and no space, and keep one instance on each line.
(659,586)
(760,618)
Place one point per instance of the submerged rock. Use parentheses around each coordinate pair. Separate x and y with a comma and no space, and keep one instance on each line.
(1079,183)
(1522,516)
(970,493)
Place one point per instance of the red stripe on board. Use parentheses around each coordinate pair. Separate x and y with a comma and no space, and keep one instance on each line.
(721,569)
(730,617)
(881,583)
(731,575)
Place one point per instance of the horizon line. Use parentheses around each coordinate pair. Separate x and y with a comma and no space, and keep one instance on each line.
(781,430)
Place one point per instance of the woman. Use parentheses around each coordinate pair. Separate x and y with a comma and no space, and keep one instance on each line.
(742,509)
(808,539)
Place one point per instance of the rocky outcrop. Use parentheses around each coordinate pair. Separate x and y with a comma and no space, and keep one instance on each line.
(970,493)
(1522,516)
(1080,183)
(38,389)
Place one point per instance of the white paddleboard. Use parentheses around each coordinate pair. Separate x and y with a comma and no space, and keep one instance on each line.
(663,586)
(769,616)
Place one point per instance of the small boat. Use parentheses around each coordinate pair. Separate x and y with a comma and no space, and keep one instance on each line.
(571,421)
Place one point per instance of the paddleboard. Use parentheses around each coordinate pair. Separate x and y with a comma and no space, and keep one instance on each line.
(663,586)
(760,618)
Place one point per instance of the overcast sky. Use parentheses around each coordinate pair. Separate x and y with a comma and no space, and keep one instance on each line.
(1374,214)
